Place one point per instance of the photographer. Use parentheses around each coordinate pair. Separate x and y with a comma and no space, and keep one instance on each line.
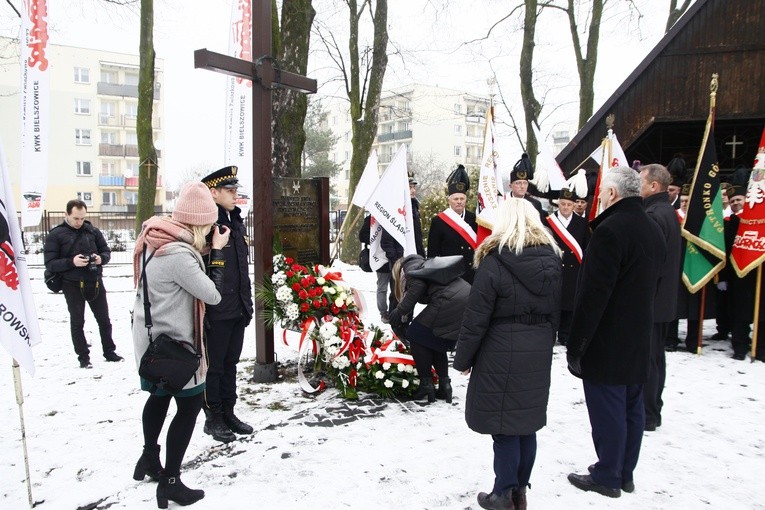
(77,250)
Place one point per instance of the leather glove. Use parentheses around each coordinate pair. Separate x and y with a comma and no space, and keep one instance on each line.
(395,320)
(216,267)
(574,364)
(723,286)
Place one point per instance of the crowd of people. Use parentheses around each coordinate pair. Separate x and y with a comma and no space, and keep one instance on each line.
(608,288)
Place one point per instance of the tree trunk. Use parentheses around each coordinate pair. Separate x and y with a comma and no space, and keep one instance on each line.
(289,109)
(531,106)
(364,100)
(147,154)
(586,64)
(675,12)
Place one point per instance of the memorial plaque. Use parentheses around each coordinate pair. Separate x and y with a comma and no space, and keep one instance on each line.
(301,218)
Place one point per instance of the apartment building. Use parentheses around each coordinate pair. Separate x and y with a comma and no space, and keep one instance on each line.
(436,122)
(93,141)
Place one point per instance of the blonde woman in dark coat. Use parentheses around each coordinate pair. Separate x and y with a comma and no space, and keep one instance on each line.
(506,344)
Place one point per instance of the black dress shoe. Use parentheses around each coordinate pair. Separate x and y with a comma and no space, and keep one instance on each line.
(586,483)
(112,356)
(493,501)
(85,364)
(628,486)
(650,426)
(739,356)
(719,336)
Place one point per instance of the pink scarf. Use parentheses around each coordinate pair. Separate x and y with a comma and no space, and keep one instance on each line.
(156,232)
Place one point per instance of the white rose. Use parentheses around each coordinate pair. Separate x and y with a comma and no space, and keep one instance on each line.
(339,302)
(379,374)
(405,383)
(320,280)
(388,383)
(386,366)
(401,367)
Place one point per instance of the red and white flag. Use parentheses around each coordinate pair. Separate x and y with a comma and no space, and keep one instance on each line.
(609,155)
(35,110)
(749,246)
(391,205)
(238,130)
(19,329)
(377,257)
(367,183)
(490,192)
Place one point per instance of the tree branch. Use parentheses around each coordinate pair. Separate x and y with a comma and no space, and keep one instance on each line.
(14,8)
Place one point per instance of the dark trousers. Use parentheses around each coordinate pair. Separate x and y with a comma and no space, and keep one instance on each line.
(617,418)
(224,345)
(425,357)
(565,326)
(94,294)
(722,312)
(178,433)
(657,375)
(513,460)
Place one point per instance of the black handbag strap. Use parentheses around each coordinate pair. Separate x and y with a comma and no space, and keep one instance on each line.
(146,302)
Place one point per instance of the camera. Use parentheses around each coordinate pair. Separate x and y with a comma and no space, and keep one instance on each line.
(92,266)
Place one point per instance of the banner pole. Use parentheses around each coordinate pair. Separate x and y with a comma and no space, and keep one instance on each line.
(20,402)
(756,325)
(341,230)
(701,320)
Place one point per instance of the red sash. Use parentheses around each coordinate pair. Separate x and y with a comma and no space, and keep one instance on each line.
(459,226)
(565,236)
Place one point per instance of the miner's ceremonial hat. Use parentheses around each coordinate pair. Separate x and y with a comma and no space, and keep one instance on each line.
(458,181)
(223,178)
(522,169)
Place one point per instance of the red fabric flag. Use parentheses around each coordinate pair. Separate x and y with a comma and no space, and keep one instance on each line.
(749,246)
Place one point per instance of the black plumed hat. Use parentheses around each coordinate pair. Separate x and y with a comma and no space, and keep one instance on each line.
(458,181)
(522,170)
(678,170)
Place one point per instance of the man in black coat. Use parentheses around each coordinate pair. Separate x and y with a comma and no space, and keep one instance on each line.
(453,230)
(571,232)
(654,180)
(227,320)
(77,250)
(610,342)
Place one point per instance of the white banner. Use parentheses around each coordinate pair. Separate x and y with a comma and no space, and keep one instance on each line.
(19,329)
(35,110)
(391,205)
(490,194)
(617,157)
(238,144)
(377,257)
(367,183)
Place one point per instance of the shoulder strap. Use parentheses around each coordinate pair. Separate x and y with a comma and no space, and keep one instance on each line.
(146,303)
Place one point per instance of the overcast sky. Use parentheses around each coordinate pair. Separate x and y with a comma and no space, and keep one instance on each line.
(431,35)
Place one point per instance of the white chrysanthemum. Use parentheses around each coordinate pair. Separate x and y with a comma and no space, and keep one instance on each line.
(331,350)
(284,294)
(401,367)
(277,259)
(388,383)
(386,366)
(341,362)
(327,330)
(379,374)
(405,383)
(320,280)
(292,311)
(279,278)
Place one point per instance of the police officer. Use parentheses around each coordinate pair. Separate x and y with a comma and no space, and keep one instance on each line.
(227,320)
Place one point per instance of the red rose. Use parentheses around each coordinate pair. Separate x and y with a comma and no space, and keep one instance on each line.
(304,307)
(289,260)
(324,301)
(334,310)
(297,267)
(311,279)
(316,303)
(303,294)
(289,274)
(296,287)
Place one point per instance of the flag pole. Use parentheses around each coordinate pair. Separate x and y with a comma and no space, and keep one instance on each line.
(755,326)
(20,402)
(340,236)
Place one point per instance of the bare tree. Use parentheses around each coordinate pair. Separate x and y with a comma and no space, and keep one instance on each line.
(531,106)
(675,12)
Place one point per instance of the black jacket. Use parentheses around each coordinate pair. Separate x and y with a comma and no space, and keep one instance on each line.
(661,211)
(64,242)
(236,291)
(613,311)
(443,240)
(507,338)
(579,230)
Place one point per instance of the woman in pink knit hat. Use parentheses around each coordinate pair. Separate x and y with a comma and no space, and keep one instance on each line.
(167,259)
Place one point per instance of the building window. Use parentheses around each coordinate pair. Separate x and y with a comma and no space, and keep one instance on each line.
(108,76)
(82,106)
(108,168)
(457,129)
(347,174)
(110,198)
(131,110)
(457,108)
(83,168)
(131,78)
(81,75)
(85,196)
(109,137)
(457,150)
(131,138)
(131,197)
(82,136)
(132,169)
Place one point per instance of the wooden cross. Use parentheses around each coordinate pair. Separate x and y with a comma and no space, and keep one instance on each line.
(264,71)
(733,144)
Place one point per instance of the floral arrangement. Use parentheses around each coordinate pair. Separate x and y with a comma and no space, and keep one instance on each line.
(320,306)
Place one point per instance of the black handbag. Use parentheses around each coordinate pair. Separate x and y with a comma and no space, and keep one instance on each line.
(364,261)
(54,281)
(168,364)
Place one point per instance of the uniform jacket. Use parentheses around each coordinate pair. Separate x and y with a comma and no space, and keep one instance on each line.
(64,242)
(236,294)
(175,279)
(507,337)
(613,309)
(444,303)
(443,240)
(661,211)
(579,230)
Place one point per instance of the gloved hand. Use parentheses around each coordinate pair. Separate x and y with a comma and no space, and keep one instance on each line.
(574,364)
(722,286)
(395,319)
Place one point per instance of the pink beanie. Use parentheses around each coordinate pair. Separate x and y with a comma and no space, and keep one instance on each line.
(195,205)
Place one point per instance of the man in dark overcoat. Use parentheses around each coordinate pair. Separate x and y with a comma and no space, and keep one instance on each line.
(228,319)
(610,341)
(453,230)
(571,232)
(654,180)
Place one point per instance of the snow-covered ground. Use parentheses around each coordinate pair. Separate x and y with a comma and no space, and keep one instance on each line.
(84,435)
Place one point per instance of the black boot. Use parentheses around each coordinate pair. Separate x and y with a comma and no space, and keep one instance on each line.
(148,463)
(425,389)
(519,498)
(444,391)
(215,426)
(171,488)
(234,423)
(493,501)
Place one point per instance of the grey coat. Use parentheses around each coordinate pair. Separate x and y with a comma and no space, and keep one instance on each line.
(507,337)
(175,279)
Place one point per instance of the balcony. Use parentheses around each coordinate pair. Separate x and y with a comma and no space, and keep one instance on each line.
(474,119)
(111,180)
(472,160)
(120,151)
(396,135)
(115,89)
(131,121)
(132,182)
(105,119)
(114,208)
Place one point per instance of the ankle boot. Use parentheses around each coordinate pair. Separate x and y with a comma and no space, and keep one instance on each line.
(425,389)
(519,498)
(171,488)
(234,423)
(444,391)
(148,463)
(215,426)
(492,501)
